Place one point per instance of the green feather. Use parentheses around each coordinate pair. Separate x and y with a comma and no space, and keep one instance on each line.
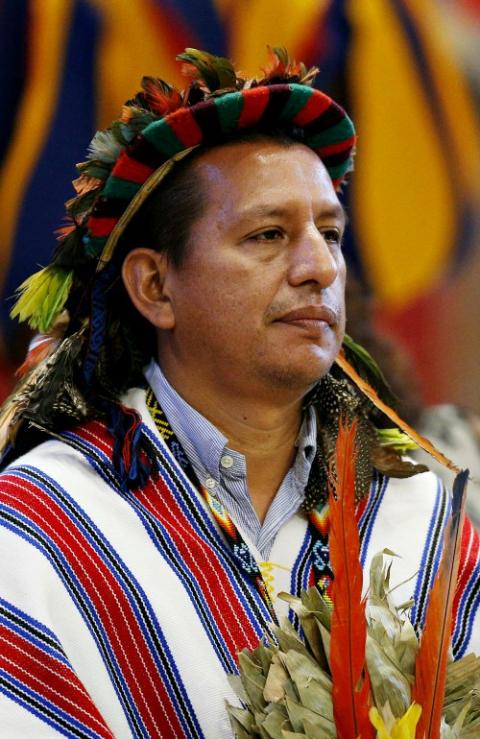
(282,54)
(42,297)
(215,71)
(396,440)
(368,369)
(82,203)
(95,169)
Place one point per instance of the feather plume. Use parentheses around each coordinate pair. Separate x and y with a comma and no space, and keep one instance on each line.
(63,232)
(431,662)
(280,66)
(372,395)
(212,72)
(350,692)
(85,183)
(42,297)
(104,147)
(43,345)
(161,97)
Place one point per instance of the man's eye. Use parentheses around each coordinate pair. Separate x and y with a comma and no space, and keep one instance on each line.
(332,235)
(270,234)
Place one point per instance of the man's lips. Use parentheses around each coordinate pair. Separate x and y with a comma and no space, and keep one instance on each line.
(311,315)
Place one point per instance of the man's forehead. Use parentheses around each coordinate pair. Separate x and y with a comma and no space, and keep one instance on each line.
(267,177)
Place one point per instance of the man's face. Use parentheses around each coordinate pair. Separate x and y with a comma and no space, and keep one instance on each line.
(258,301)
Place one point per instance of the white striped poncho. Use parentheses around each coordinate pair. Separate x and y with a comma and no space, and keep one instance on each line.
(121,614)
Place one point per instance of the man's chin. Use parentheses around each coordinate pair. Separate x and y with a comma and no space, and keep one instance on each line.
(300,378)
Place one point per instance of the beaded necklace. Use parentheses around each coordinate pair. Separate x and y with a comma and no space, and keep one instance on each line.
(318,519)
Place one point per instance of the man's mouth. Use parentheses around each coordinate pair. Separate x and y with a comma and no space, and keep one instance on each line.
(314,318)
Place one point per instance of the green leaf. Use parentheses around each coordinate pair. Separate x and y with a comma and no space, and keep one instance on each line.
(252,679)
(298,714)
(274,690)
(387,680)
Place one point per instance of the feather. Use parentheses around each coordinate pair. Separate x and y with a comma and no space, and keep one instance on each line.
(431,662)
(396,440)
(42,297)
(280,66)
(42,348)
(215,72)
(161,97)
(85,183)
(350,692)
(367,368)
(104,147)
(372,395)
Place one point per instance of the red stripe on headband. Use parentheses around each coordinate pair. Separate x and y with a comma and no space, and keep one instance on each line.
(315,106)
(185,127)
(127,168)
(254,103)
(324,151)
(101,226)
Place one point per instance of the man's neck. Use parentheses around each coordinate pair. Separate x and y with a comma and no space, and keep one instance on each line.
(263,431)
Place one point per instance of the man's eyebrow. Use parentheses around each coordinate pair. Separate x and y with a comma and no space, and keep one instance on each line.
(335,211)
(261,211)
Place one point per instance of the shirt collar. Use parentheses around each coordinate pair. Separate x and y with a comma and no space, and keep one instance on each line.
(204,443)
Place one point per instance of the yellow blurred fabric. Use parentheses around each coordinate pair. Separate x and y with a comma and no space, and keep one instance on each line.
(279,23)
(409,180)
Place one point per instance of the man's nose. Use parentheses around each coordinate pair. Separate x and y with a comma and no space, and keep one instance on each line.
(312,260)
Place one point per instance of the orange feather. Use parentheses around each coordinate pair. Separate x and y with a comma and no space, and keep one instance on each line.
(350,691)
(41,347)
(372,395)
(431,662)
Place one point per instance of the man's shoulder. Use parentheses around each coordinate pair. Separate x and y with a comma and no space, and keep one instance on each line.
(407,505)
(87,441)
(70,451)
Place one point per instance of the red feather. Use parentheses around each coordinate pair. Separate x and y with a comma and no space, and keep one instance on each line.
(431,662)
(162,98)
(350,692)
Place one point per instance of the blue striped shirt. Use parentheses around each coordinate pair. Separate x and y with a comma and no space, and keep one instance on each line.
(224,471)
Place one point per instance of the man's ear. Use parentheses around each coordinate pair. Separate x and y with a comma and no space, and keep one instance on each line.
(143,274)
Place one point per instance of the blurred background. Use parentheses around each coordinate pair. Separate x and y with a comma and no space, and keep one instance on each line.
(408,71)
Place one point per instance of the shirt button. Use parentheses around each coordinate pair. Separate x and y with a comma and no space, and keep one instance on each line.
(210,483)
(226,461)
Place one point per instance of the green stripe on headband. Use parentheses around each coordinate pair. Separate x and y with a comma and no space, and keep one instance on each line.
(340,169)
(120,189)
(163,138)
(229,109)
(339,132)
(95,245)
(298,99)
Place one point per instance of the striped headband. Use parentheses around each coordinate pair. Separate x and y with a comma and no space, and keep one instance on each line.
(326,129)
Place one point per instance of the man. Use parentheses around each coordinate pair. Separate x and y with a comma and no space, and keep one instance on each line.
(144,542)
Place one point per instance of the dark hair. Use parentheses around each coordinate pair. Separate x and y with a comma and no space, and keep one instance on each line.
(164,222)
